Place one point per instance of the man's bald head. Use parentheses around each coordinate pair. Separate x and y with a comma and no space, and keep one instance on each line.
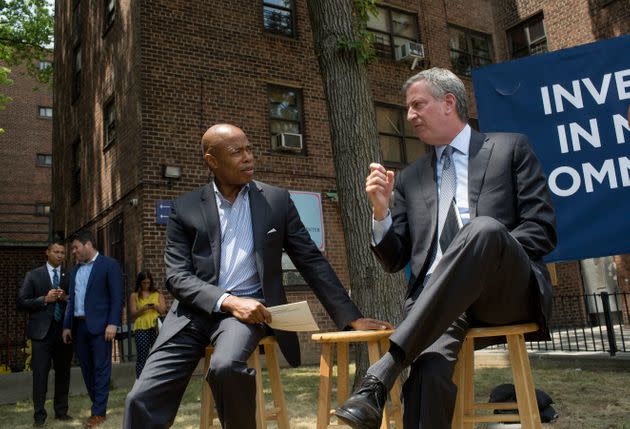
(219,134)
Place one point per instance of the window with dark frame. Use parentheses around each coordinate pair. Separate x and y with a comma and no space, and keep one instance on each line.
(76,171)
(399,143)
(109,14)
(285,110)
(42,209)
(44,160)
(279,17)
(44,65)
(76,73)
(291,277)
(45,112)
(528,37)
(469,49)
(109,121)
(392,28)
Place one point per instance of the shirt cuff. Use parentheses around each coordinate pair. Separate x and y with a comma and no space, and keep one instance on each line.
(380,228)
(217,306)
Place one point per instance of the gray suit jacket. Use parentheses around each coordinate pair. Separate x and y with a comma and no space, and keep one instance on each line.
(505,182)
(31,299)
(193,251)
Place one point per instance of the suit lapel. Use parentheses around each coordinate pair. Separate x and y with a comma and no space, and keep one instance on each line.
(428,185)
(258,208)
(478,158)
(211,218)
(95,267)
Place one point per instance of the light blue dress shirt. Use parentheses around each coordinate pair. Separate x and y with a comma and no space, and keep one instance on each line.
(80,286)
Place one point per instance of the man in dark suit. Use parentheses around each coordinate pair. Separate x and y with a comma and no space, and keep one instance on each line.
(43,295)
(489,272)
(92,318)
(224,245)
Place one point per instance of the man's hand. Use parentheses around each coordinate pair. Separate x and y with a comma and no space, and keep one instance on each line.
(51,296)
(66,335)
(110,332)
(246,310)
(367,324)
(379,186)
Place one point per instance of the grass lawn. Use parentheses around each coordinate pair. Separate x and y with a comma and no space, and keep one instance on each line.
(585,398)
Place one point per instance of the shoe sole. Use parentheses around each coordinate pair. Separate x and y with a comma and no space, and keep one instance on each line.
(350,419)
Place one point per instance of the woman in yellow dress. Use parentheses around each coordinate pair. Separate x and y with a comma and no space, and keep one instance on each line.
(146,305)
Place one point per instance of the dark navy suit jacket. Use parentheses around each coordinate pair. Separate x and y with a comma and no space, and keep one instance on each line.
(103,297)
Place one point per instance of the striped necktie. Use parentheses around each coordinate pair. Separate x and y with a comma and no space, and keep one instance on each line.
(448,225)
(58,312)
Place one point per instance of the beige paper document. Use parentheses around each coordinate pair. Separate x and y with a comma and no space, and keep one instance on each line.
(296,316)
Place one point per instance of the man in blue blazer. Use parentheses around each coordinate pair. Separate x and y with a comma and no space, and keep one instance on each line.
(92,318)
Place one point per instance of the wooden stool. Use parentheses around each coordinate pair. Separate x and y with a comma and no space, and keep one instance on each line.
(278,413)
(465,405)
(377,342)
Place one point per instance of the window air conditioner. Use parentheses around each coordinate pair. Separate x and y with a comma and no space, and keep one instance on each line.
(287,141)
(409,50)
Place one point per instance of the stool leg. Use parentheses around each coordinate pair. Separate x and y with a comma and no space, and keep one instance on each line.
(273,367)
(459,378)
(394,394)
(469,382)
(523,383)
(343,372)
(374,354)
(207,403)
(325,373)
(254,362)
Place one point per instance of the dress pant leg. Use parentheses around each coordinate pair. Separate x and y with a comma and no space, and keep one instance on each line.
(62,360)
(485,272)
(101,351)
(40,365)
(429,393)
(82,347)
(233,384)
(155,397)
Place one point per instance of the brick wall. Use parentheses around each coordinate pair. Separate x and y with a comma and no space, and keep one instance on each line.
(16,262)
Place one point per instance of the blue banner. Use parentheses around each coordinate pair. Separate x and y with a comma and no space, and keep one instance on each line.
(574,105)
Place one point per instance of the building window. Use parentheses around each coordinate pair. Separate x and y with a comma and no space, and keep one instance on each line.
(109,14)
(291,277)
(285,116)
(42,209)
(469,49)
(399,143)
(45,112)
(279,17)
(43,65)
(392,28)
(76,171)
(44,160)
(528,38)
(76,73)
(109,121)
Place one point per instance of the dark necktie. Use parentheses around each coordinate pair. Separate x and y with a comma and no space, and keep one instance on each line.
(57,314)
(448,225)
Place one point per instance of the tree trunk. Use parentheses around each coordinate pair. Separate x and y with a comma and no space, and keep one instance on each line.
(355,144)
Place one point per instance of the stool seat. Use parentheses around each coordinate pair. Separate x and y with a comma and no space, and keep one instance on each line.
(377,343)
(279,412)
(465,415)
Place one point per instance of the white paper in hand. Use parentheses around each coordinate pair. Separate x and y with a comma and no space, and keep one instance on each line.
(296,317)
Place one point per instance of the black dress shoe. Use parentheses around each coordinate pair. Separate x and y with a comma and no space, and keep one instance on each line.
(364,408)
(64,417)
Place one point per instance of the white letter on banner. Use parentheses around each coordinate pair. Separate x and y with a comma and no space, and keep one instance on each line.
(575,178)
(620,123)
(624,168)
(623,87)
(562,135)
(608,169)
(544,91)
(577,132)
(574,98)
(598,96)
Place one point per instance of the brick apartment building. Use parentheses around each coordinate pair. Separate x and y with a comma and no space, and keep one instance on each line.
(137,84)
(25,195)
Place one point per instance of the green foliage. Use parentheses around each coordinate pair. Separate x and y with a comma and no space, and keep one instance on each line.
(362,44)
(26,35)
